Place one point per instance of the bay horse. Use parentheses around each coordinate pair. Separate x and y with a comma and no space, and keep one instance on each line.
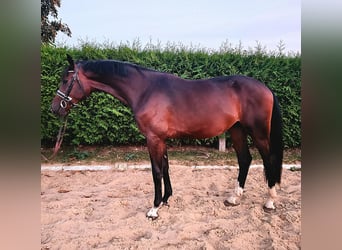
(167,106)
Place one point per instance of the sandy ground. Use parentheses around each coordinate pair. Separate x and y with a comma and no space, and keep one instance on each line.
(107,209)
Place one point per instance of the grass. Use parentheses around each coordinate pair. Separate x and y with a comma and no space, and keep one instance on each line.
(95,155)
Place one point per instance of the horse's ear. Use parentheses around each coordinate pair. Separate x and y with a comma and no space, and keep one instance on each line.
(71,61)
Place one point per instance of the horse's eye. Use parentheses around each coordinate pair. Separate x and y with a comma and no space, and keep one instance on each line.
(65,81)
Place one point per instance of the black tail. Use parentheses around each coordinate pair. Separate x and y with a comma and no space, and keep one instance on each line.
(276,141)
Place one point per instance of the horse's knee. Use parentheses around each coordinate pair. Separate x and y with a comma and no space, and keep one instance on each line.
(157,174)
(245,160)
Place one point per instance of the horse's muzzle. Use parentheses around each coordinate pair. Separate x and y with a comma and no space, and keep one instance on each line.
(57,110)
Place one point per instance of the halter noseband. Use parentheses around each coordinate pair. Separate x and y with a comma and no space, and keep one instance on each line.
(65,96)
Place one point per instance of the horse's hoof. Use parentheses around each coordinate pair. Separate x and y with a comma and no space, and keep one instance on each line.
(269,210)
(151,217)
(152,213)
(229,204)
(166,204)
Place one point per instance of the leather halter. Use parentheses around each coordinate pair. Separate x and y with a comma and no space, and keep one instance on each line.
(66,99)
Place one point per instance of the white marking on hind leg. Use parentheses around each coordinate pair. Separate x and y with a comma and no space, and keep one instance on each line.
(238,191)
(273,195)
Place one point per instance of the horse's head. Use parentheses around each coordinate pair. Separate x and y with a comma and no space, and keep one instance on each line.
(70,92)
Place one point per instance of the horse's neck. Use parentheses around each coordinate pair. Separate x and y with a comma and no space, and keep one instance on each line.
(127,90)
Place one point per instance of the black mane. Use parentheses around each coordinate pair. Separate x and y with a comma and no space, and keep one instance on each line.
(110,67)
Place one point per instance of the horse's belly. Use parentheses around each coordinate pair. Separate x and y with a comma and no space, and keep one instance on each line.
(200,130)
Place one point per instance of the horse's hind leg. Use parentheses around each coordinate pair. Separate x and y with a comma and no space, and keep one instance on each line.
(263,145)
(239,139)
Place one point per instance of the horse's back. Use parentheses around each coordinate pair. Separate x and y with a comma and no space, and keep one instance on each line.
(200,108)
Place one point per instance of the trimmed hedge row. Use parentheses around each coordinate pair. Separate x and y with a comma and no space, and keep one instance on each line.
(101,119)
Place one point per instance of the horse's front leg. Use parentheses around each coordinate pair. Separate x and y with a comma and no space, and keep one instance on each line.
(158,156)
(239,139)
(166,179)
(157,177)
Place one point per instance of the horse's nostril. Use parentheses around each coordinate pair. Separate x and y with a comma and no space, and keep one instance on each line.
(54,109)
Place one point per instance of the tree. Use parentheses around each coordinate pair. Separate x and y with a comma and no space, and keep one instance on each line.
(50,24)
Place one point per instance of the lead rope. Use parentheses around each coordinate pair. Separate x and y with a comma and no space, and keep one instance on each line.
(59,141)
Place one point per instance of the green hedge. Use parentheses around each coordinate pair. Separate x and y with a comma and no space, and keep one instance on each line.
(101,119)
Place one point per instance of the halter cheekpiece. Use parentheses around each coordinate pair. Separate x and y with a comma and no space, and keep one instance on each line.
(65,96)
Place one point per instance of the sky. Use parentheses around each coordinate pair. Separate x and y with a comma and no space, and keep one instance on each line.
(202,23)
